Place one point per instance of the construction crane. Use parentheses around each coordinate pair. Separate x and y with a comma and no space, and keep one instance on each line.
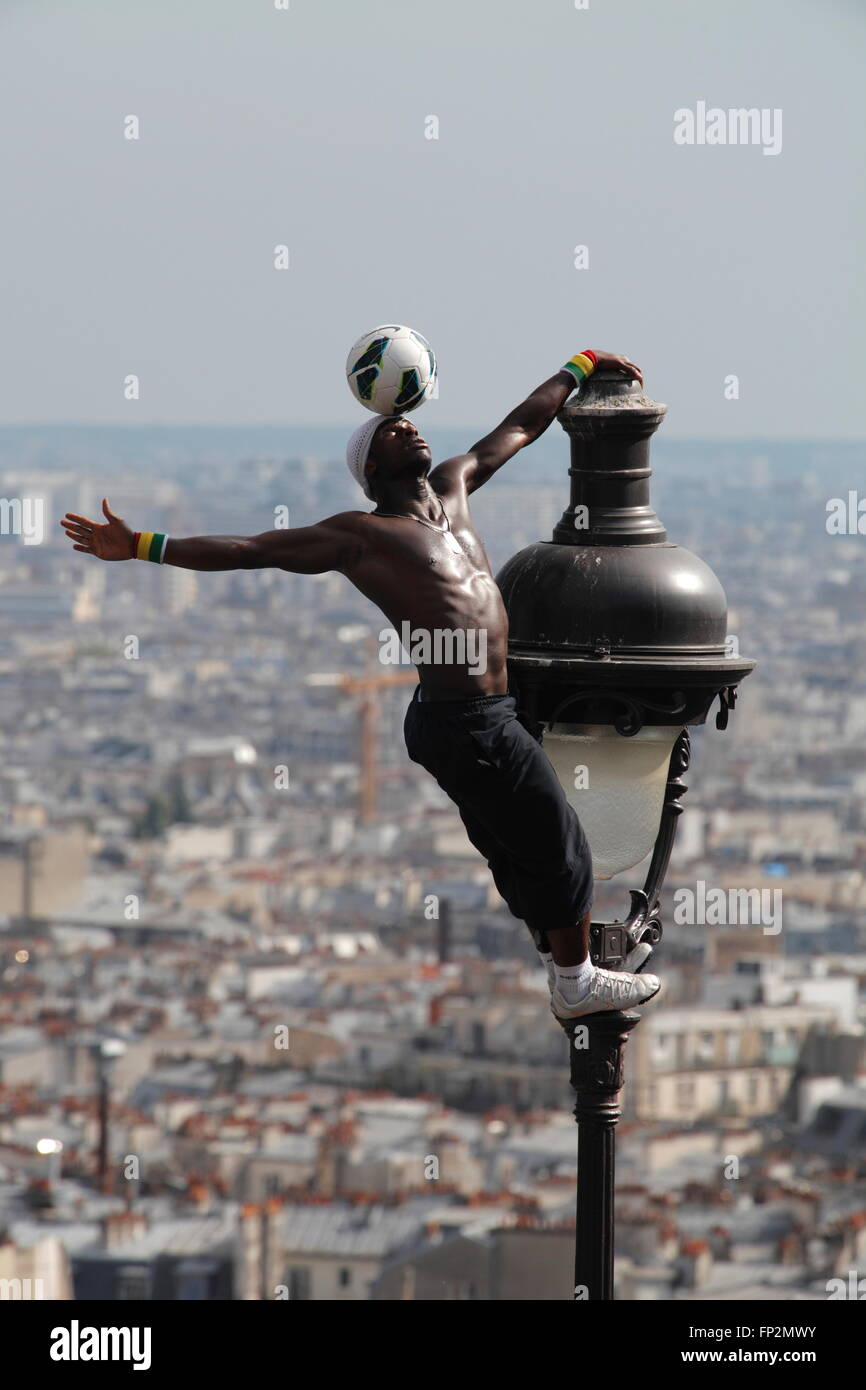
(367,686)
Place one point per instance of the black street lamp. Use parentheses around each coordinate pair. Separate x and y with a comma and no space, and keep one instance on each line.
(105,1053)
(618,644)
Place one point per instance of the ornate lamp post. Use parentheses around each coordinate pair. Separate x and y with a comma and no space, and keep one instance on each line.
(618,644)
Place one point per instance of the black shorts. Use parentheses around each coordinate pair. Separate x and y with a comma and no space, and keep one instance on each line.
(511,803)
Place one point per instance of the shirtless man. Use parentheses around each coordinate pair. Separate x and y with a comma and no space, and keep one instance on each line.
(418,558)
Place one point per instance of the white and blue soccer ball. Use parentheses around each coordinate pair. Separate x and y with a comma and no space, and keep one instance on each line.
(391,369)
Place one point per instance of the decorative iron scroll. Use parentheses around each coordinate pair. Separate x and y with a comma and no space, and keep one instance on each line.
(727,700)
(632,720)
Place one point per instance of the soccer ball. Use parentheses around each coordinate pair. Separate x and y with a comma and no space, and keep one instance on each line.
(391,369)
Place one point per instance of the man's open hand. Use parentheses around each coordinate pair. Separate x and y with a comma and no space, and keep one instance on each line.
(612,362)
(109,541)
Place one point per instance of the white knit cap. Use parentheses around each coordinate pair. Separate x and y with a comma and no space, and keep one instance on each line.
(358,448)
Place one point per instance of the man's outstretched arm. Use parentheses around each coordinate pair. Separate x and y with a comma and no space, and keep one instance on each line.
(329,545)
(524,425)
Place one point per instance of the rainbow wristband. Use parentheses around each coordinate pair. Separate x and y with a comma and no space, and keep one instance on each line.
(149,545)
(582,364)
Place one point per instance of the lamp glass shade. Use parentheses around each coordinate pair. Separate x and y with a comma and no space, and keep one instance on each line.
(616,785)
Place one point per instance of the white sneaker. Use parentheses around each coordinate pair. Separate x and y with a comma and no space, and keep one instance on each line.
(632,963)
(635,959)
(608,989)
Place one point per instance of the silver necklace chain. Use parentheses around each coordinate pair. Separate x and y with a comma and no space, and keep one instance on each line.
(445,531)
(440,530)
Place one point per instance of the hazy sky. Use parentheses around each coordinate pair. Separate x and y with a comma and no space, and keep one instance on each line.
(307,127)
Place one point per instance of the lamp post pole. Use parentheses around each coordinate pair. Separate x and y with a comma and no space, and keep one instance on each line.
(104,1053)
(102,1160)
(623,633)
(596,1052)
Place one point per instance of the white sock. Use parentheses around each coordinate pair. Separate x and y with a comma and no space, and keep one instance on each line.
(572,981)
(547,961)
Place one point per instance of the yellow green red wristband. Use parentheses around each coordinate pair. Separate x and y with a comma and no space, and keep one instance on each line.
(149,545)
(582,364)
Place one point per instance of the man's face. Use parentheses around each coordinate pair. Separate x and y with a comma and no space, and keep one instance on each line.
(397,448)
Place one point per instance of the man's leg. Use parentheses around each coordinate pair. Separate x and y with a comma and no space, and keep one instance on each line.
(535,790)
(500,866)
(565,946)
(518,816)
(570,945)
(515,795)
(577,987)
